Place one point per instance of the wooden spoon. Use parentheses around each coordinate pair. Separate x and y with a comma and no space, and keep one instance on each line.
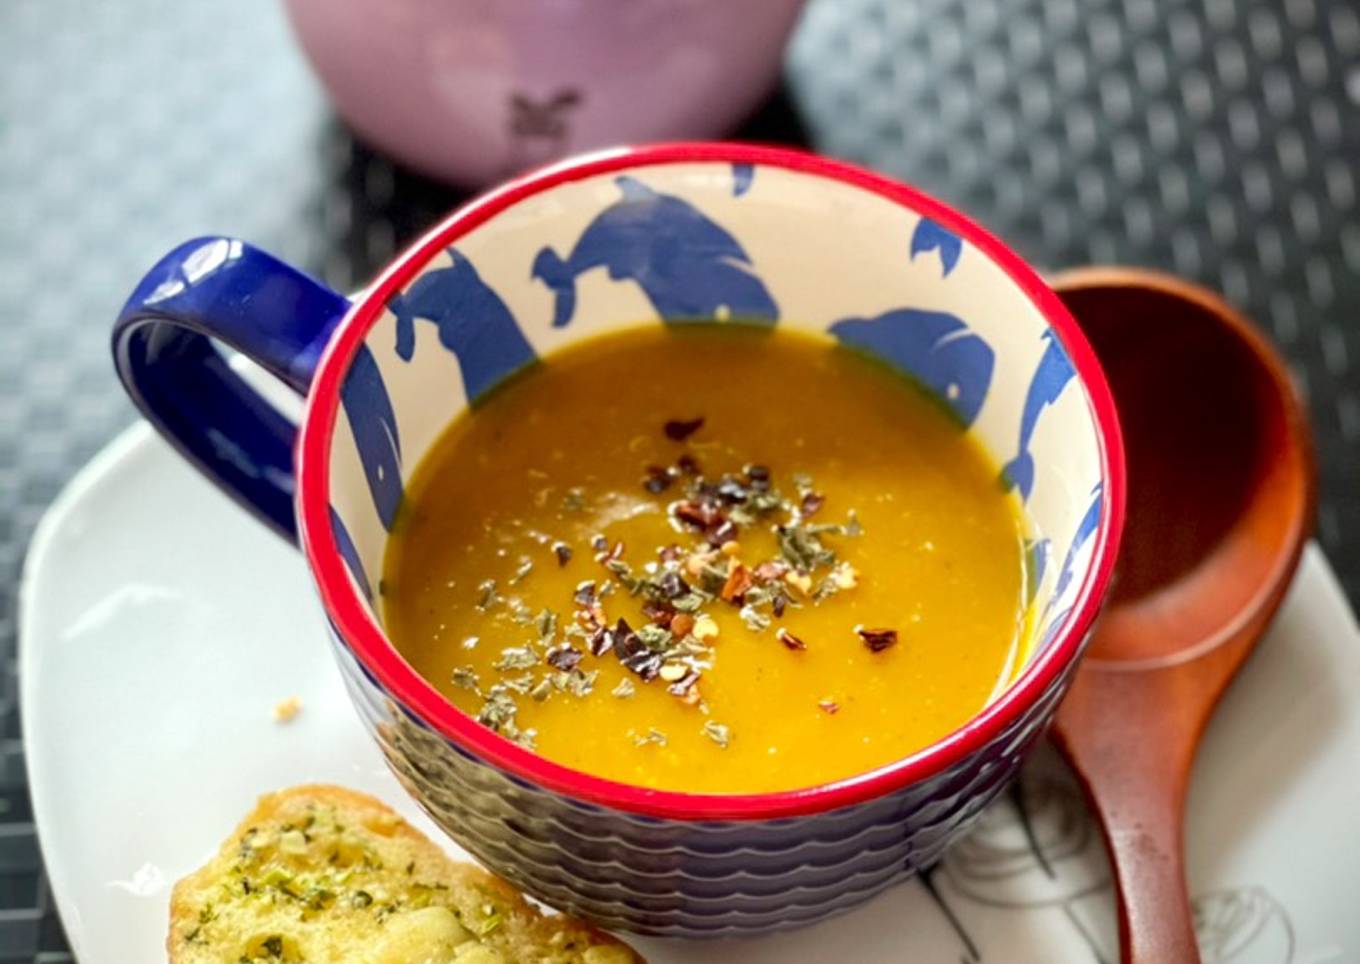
(1221,497)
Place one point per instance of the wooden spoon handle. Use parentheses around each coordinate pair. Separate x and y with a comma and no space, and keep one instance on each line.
(1128,751)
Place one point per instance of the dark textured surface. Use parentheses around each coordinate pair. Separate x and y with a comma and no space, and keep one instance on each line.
(1215,138)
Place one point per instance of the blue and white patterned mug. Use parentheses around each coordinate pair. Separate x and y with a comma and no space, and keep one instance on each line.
(617,239)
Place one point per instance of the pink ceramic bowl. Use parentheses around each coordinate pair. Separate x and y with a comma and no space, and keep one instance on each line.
(476,90)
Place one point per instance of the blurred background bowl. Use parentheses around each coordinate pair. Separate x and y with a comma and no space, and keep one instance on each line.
(473,91)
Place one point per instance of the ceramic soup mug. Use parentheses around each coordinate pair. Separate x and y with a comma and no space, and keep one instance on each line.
(617,239)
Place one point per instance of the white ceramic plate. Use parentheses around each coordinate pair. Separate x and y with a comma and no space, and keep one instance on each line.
(160,626)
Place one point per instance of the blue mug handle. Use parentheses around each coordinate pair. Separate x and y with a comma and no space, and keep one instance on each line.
(226,290)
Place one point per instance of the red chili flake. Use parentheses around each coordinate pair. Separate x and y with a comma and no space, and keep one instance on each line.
(759,476)
(708,491)
(687,464)
(732,492)
(877,639)
(601,641)
(698,514)
(682,686)
(646,664)
(591,613)
(633,652)
(677,430)
(830,706)
(563,553)
(811,503)
(779,604)
(790,640)
(658,480)
(726,531)
(770,571)
(681,625)
(614,552)
(674,585)
(670,553)
(738,581)
(658,612)
(565,658)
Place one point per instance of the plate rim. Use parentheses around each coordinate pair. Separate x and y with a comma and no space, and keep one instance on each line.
(139,440)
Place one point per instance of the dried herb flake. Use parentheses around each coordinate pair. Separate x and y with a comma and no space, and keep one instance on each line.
(486,594)
(718,733)
(653,737)
(755,620)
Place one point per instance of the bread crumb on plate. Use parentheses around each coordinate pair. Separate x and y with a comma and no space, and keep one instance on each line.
(286,710)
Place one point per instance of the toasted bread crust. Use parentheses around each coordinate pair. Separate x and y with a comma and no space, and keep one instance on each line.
(326,874)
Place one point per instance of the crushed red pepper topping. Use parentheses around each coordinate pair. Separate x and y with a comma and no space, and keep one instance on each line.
(565,658)
(877,639)
(738,581)
(657,479)
(677,430)
(675,644)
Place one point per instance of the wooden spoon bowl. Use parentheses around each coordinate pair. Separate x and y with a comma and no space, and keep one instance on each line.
(1220,504)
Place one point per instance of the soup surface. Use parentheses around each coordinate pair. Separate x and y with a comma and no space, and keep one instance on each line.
(710,559)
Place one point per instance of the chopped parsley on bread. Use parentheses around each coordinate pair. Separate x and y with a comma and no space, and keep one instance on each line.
(323,875)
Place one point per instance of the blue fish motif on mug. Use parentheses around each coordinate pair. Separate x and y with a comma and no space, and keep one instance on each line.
(930,236)
(742,176)
(369,409)
(1050,378)
(688,266)
(1085,528)
(1036,562)
(472,320)
(350,553)
(934,347)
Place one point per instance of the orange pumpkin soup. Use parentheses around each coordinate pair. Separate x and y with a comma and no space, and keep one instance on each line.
(710,559)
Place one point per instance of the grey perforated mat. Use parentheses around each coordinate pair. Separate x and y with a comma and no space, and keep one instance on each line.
(1216,138)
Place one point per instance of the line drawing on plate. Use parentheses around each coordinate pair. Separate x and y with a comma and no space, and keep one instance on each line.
(1243,925)
(1035,848)
(1038,850)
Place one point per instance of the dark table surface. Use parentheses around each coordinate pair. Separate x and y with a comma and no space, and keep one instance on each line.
(1215,138)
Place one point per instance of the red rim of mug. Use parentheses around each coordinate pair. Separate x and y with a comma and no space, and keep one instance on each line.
(362,635)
